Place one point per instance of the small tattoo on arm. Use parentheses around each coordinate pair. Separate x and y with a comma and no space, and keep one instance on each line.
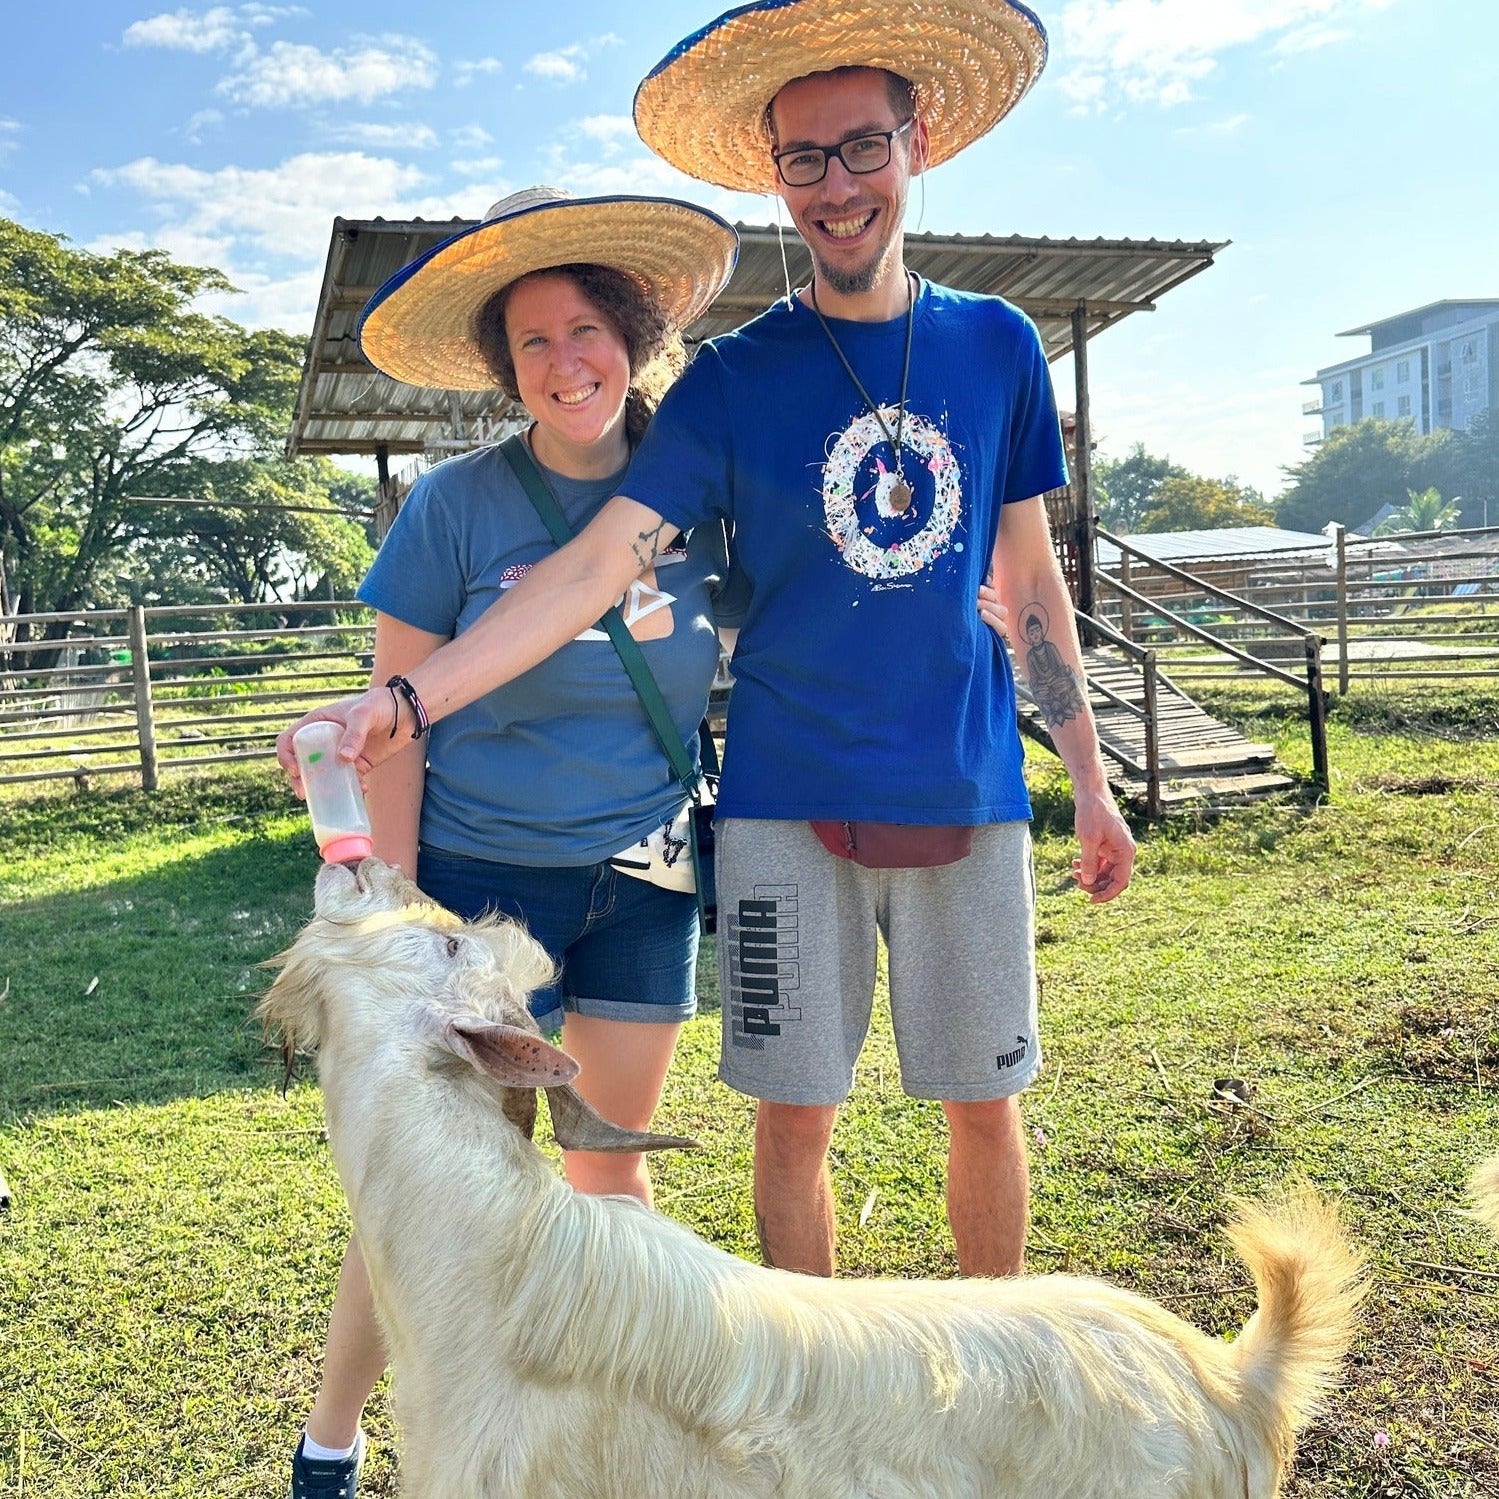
(765,1257)
(1054,684)
(647,545)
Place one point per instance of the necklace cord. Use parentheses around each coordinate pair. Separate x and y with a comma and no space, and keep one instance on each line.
(905,375)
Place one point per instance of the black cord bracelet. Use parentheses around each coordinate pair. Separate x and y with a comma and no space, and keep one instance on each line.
(423,723)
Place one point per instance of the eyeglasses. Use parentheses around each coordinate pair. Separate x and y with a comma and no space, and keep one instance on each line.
(804,165)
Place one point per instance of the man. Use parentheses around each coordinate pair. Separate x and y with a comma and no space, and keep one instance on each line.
(879,443)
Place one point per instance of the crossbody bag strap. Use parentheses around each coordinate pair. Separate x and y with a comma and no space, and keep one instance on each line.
(524,467)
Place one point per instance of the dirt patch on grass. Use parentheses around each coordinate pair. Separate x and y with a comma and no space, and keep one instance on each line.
(1430,785)
(1452,1042)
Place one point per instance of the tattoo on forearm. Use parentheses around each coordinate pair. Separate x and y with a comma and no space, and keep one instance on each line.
(647,545)
(1054,684)
(765,1257)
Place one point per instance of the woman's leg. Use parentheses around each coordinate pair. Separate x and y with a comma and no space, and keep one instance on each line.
(353,1358)
(623,1065)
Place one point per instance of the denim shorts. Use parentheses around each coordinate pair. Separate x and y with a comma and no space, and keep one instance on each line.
(627,950)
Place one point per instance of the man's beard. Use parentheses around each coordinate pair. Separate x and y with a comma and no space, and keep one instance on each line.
(853,281)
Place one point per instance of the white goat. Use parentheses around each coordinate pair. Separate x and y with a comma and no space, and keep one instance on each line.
(547,1343)
(1484,1190)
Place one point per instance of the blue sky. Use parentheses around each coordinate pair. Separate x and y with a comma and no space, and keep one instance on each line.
(1346,147)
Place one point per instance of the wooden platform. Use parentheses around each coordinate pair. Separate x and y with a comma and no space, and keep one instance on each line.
(1201,759)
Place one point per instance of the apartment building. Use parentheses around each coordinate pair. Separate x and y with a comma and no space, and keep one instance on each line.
(1436,366)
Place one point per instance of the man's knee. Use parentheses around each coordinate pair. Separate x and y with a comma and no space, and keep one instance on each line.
(994,1119)
(794,1134)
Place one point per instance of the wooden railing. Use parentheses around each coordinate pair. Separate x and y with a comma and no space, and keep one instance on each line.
(1135,607)
(139,691)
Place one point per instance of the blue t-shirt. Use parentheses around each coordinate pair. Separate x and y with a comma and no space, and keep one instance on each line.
(560,766)
(865,683)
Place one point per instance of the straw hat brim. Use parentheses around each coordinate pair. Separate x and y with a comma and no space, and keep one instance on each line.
(419,327)
(702,107)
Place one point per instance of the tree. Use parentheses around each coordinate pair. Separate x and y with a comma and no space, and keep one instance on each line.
(1192,503)
(1473,472)
(1426,511)
(1126,487)
(114,388)
(1360,469)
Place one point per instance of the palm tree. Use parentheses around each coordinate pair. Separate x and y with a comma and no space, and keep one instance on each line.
(1426,511)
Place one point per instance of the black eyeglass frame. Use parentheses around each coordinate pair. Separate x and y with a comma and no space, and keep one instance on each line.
(829,152)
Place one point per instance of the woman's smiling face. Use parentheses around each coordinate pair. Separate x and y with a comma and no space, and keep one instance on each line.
(571,364)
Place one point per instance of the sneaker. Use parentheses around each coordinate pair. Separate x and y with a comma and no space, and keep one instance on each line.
(312,1478)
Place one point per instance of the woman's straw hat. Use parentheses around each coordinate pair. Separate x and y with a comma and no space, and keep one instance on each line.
(419,327)
(703,105)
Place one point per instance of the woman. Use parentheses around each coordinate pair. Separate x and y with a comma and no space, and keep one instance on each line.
(516,804)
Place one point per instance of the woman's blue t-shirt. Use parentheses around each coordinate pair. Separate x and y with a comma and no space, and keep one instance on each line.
(560,766)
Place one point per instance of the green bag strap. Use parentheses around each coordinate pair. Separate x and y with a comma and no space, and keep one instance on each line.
(518,455)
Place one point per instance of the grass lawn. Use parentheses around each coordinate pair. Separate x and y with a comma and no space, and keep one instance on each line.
(167,1262)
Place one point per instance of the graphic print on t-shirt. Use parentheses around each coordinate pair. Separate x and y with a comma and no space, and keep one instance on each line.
(646,607)
(857,479)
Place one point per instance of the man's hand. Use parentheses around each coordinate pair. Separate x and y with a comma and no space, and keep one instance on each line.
(992,612)
(366,718)
(1106,849)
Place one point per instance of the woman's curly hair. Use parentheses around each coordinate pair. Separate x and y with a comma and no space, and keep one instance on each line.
(654,348)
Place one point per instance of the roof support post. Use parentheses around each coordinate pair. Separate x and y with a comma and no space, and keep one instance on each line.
(1083,480)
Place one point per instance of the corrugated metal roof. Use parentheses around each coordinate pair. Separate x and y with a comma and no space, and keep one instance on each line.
(344,405)
(1218,544)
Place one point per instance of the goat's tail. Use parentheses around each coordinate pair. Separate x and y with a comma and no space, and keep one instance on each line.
(1484,1190)
(1310,1281)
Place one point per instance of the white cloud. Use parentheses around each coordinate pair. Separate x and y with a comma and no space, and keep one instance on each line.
(1158,51)
(566,64)
(9,206)
(484,166)
(1217,127)
(200,124)
(281,211)
(292,73)
(470,137)
(407,136)
(610,133)
(10,135)
(188,31)
(464,73)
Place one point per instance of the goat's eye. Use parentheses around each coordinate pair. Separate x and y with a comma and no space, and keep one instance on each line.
(454,947)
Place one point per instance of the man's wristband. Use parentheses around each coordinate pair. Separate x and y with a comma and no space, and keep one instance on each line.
(399,685)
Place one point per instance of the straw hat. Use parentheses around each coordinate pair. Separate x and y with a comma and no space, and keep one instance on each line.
(419,327)
(703,105)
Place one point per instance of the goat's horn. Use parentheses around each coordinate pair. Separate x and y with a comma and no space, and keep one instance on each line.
(578,1126)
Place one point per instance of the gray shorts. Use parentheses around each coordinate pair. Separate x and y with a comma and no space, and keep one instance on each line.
(796,946)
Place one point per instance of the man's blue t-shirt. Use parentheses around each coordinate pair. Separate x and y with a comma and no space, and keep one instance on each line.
(560,766)
(865,684)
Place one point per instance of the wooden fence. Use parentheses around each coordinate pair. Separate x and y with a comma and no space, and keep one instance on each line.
(1420,606)
(139,691)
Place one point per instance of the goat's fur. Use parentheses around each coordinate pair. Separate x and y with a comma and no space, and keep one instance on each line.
(547,1343)
(1484,1190)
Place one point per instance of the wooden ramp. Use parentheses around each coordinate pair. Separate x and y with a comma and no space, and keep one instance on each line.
(1200,758)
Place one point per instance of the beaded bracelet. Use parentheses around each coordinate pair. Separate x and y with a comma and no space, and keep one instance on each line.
(423,723)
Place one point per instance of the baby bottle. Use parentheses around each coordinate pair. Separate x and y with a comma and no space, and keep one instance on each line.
(335,803)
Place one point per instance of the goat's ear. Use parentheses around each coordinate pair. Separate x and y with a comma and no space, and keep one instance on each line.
(578,1127)
(511,1056)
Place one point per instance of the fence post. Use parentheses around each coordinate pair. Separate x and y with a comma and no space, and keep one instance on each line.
(1153,805)
(1126,603)
(1340,542)
(145,718)
(1316,706)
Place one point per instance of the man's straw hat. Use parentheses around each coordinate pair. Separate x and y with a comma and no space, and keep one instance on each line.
(419,327)
(703,105)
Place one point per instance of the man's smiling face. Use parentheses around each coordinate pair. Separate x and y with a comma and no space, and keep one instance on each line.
(850,221)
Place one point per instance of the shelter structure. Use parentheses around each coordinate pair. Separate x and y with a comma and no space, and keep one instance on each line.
(1073,289)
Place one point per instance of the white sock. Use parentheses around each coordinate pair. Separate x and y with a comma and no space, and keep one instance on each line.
(327,1454)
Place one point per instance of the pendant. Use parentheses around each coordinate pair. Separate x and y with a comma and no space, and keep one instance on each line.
(899,497)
